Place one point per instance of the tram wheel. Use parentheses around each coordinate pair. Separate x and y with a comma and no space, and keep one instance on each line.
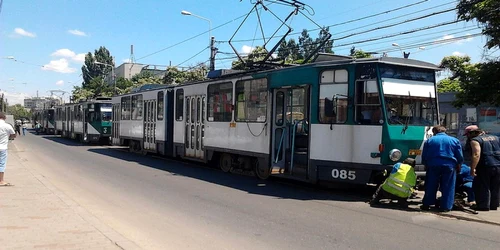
(225,162)
(261,171)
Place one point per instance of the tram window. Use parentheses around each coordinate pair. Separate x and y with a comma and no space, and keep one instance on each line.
(220,102)
(179,104)
(136,107)
(251,100)
(126,108)
(280,108)
(160,106)
(368,109)
(333,96)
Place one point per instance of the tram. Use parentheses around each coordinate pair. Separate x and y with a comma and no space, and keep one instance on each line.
(335,120)
(86,121)
(46,118)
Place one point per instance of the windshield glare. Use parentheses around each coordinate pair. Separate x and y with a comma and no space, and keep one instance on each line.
(416,111)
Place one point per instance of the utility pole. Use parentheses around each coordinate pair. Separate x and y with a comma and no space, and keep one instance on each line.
(213,51)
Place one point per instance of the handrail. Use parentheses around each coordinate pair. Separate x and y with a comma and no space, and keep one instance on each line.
(294,129)
(279,147)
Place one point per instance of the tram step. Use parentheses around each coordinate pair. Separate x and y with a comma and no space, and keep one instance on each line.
(300,158)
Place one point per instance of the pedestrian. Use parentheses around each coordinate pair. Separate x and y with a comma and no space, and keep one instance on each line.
(399,185)
(6,133)
(37,128)
(485,167)
(442,157)
(18,128)
(24,128)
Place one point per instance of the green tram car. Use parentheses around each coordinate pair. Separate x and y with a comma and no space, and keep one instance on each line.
(46,118)
(86,121)
(335,120)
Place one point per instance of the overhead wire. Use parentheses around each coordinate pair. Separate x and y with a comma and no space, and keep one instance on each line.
(363,18)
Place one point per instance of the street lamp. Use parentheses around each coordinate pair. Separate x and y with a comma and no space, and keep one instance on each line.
(397,45)
(210,38)
(112,72)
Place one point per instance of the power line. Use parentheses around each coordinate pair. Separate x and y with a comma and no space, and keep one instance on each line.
(193,56)
(434,42)
(427,34)
(362,18)
(193,37)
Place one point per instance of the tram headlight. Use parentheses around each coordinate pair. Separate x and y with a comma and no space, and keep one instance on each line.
(395,155)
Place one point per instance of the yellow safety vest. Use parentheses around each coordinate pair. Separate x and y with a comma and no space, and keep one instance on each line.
(402,182)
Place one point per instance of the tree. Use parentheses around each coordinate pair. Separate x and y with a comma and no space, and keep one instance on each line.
(176,76)
(448,85)
(258,54)
(479,82)
(306,46)
(18,111)
(357,53)
(323,34)
(91,70)
(487,13)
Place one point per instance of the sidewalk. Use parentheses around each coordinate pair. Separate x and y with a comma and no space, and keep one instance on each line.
(490,217)
(36,215)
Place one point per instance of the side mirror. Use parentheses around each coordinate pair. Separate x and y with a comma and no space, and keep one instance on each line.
(330,107)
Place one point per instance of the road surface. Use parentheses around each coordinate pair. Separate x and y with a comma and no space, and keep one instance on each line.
(162,204)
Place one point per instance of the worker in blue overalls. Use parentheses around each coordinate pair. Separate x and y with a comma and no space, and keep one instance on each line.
(442,157)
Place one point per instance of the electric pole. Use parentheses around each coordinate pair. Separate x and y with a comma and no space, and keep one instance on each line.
(213,51)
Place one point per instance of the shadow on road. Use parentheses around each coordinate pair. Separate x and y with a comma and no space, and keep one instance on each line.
(274,187)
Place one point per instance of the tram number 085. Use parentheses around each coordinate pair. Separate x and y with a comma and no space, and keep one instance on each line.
(344,174)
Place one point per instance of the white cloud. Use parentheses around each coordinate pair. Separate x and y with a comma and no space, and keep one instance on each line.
(14,98)
(22,32)
(61,66)
(247,49)
(60,83)
(79,57)
(77,32)
(64,53)
(67,53)
(448,39)
(456,53)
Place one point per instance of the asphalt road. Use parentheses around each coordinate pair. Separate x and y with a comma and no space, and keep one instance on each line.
(162,204)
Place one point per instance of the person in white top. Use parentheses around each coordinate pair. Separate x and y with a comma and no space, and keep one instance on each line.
(6,133)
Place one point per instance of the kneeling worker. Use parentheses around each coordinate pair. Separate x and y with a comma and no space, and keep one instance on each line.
(399,185)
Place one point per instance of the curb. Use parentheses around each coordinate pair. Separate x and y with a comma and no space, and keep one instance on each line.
(113,236)
(459,217)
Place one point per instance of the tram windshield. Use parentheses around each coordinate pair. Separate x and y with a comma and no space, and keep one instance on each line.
(408,110)
(106,114)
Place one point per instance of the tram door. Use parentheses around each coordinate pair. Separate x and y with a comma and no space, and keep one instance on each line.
(290,136)
(195,126)
(115,132)
(149,139)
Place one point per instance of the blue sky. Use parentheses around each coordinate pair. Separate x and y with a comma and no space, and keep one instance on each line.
(56,34)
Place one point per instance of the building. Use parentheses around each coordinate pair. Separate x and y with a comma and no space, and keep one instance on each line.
(455,120)
(39,102)
(129,70)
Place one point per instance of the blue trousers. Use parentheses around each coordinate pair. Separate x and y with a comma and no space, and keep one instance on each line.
(442,177)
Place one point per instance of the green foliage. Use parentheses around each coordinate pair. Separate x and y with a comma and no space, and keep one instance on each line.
(176,76)
(18,111)
(485,12)
(91,70)
(327,48)
(448,85)
(306,46)
(357,53)
(258,54)
(479,82)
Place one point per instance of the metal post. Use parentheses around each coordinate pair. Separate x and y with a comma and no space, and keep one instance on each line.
(212,53)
